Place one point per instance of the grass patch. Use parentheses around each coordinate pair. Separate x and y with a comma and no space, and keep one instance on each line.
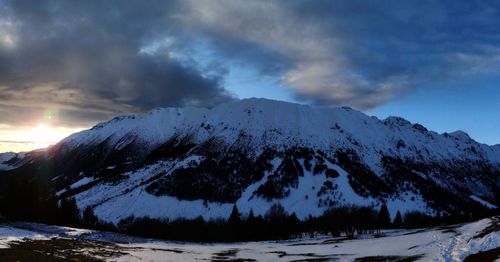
(229,255)
(450,229)
(59,249)
(309,256)
(177,251)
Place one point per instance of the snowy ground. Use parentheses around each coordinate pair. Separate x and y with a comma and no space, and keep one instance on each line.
(26,241)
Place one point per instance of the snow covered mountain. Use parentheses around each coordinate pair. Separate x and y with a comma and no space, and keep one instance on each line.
(187,162)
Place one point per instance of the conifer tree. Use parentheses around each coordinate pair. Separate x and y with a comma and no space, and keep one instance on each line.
(251,218)
(88,218)
(70,212)
(235,217)
(384,220)
(398,220)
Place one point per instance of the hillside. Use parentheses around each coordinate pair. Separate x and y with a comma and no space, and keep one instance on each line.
(190,162)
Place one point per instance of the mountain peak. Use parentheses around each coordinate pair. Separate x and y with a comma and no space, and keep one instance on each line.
(192,161)
(270,123)
(396,120)
(461,135)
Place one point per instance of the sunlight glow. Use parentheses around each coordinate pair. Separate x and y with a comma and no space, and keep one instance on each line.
(30,138)
(43,136)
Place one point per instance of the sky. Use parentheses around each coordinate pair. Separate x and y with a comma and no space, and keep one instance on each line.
(67,65)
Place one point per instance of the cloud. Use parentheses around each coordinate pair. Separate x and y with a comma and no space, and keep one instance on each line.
(354,53)
(86,59)
(90,60)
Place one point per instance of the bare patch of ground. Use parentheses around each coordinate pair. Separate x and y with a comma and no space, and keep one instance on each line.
(485,256)
(307,256)
(59,249)
(493,227)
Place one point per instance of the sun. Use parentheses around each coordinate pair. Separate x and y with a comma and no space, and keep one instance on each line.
(42,136)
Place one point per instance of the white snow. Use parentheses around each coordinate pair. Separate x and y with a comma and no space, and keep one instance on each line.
(483,202)
(433,244)
(9,234)
(485,243)
(281,124)
(278,125)
(5,157)
(407,202)
(19,231)
(464,243)
(113,202)
(81,182)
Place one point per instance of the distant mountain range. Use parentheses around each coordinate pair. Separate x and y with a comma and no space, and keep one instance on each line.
(190,162)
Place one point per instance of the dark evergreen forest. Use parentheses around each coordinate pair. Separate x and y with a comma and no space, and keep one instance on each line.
(36,202)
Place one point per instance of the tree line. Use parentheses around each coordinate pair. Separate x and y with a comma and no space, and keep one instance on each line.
(35,201)
(276,224)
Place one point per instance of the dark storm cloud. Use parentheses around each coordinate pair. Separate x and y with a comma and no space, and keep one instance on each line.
(93,59)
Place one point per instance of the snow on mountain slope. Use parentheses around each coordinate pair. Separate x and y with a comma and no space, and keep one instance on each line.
(274,123)
(9,160)
(189,162)
(4,158)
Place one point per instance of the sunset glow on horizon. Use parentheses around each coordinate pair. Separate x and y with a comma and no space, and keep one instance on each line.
(32,137)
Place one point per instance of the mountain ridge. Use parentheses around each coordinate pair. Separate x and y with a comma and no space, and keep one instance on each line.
(187,162)
(246,106)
